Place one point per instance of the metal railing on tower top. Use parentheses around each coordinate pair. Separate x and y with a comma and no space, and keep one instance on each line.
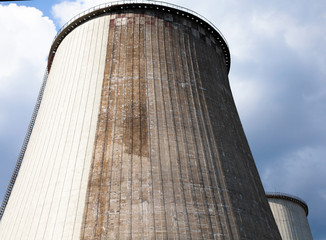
(161,3)
(106,8)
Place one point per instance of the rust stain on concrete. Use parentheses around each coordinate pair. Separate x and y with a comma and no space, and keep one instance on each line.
(135,126)
(170,158)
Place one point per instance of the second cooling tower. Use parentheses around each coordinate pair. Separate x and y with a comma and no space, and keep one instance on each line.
(290,214)
(137,136)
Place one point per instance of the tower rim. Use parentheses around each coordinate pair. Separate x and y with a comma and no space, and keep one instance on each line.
(107,8)
(289,197)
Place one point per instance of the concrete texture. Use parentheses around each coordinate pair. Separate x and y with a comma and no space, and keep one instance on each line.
(48,198)
(171,160)
(291,217)
(138,137)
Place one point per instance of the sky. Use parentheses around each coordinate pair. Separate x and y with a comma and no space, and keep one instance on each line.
(277,76)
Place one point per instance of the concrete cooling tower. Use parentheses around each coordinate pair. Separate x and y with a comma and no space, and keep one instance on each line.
(136,135)
(290,214)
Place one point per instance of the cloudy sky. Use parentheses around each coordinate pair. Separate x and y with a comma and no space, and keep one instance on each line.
(278,78)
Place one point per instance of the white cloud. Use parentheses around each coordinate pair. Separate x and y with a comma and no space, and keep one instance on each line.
(66,10)
(298,171)
(25,39)
(24,44)
(26,36)
(248,95)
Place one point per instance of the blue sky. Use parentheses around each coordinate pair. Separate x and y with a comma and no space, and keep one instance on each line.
(278,78)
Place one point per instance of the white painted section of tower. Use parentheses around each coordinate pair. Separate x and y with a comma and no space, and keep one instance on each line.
(291,219)
(48,198)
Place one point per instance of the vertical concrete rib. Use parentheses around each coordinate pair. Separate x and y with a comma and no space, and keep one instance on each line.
(91,104)
(107,113)
(128,142)
(121,78)
(148,77)
(114,198)
(213,158)
(134,117)
(113,204)
(189,140)
(66,141)
(169,188)
(105,141)
(46,153)
(126,109)
(81,151)
(25,192)
(205,207)
(76,124)
(182,130)
(156,188)
(174,116)
(147,190)
(100,153)
(139,65)
(156,136)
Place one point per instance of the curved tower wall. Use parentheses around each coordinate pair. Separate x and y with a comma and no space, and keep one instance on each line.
(47,201)
(137,136)
(290,215)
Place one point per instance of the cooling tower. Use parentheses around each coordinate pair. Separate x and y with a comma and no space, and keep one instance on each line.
(290,214)
(136,135)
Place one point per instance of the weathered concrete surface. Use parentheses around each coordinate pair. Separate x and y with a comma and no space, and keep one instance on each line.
(170,160)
